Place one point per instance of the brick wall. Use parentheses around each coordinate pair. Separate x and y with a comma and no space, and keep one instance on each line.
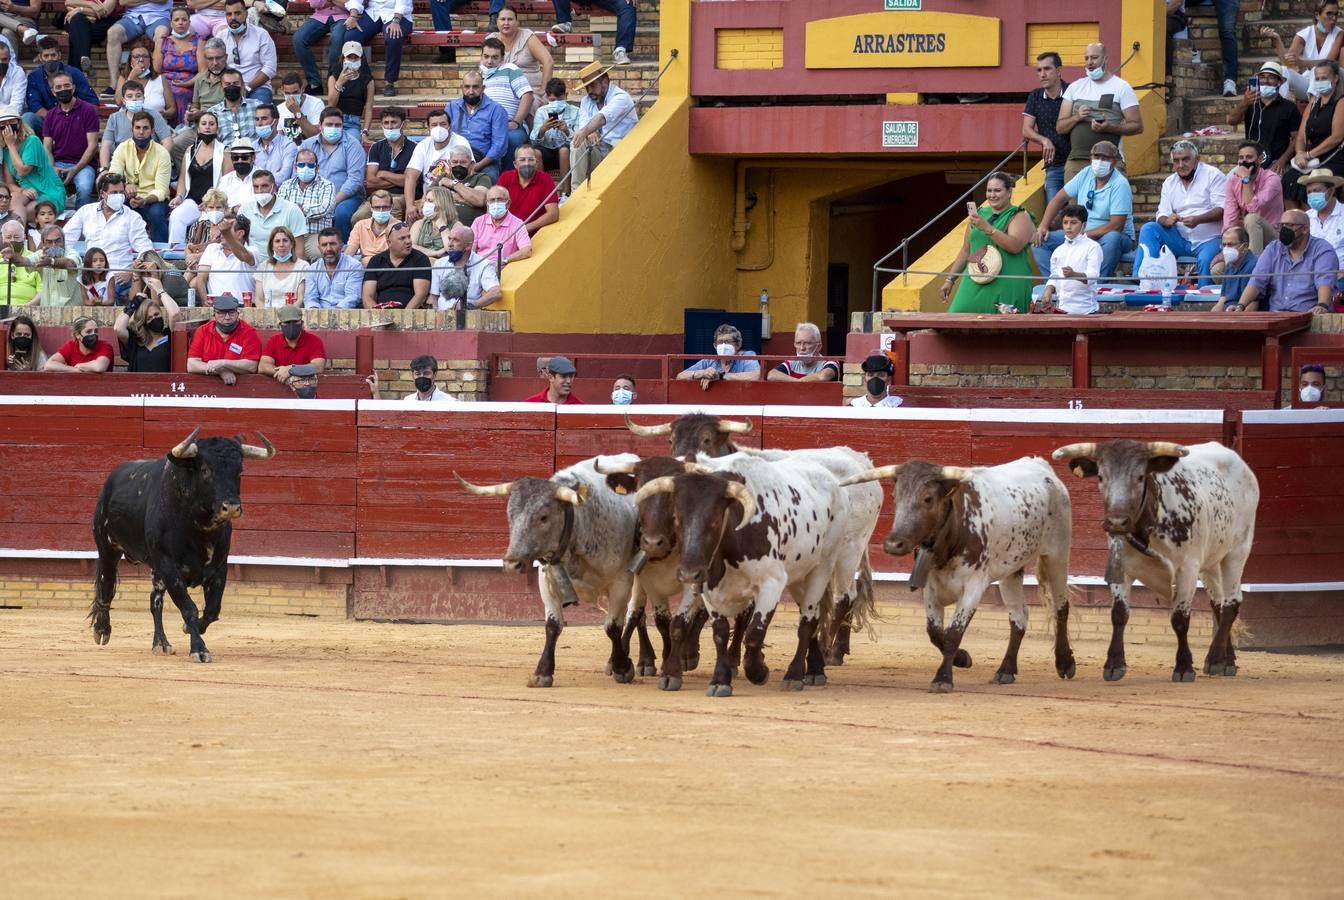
(243,598)
(1068,39)
(749,48)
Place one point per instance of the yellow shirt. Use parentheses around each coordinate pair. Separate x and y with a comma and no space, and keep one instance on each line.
(149,175)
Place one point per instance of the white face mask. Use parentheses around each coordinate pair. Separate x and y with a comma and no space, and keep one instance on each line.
(213,216)
(438,134)
(1319,88)
(622,396)
(1267,91)
(1231,255)
(725,349)
(427,209)
(264,199)
(116,201)
(1310,394)
(1101,167)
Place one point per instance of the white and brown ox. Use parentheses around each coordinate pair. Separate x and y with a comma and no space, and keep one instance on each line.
(584,534)
(970,528)
(1174,515)
(747,530)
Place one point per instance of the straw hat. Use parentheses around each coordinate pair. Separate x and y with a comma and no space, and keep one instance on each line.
(987,267)
(1321,176)
(590,73)
(1276,69)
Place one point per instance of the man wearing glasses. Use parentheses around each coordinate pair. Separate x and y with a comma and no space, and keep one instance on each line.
(808,366)
(1296,273)
(1105,193)
(251,51)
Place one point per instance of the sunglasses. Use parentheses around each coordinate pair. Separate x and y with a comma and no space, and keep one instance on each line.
(399,225)
(237,59)
(1091,195)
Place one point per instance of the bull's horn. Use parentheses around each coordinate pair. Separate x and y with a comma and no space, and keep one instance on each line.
(1166,448)
(739,492)
(492,490)
(879,474)
(1075,451)
(662,485)
(625,468)
(955,473)
(265,452)
(728,426)
(695,468)
(187,449)
(570,495)
(649,430)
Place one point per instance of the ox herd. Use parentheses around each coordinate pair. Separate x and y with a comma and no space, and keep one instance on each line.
(715,533)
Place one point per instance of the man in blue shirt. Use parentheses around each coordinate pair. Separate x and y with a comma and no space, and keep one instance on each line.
(334,281)
(39,97)
(729,364)
(1232,269)
(340,160)
(483,122)
(1109,201)
(1296,273)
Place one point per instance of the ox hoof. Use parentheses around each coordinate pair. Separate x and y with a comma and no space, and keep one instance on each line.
(102,637)
(201,656)
(690,663)
(1114,673)
(962,660)
(647,668)
(1067,671)
(835,659)
(758,676)
(608,669)
(815,680)
(940,687)
(1224,669)
(623,677)
(1004,678)
(1230,670)
(719,690)
(670,683)
(790,684)
(164,648)
(1183,676)
(540,681)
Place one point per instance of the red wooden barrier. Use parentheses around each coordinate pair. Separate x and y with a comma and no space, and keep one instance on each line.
(171,384)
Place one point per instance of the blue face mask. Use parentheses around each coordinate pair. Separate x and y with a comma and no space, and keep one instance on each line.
(381,215)
(1318,200)
(622,396)
(454,256)
(238,29)
(283,257)
(306,172)
(392,134)
(497,208)
(556,107)
(331,135)
(1096,74)
(265,131)
(135,106)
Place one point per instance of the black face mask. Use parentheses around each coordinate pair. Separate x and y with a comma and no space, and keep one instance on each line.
(424,384)
(155,324)
(459,172)
(207,138)
(306,393)
(233,93)
(877,387)
(89,340)
(242,168)
(1287,235)
(64,97)
(51,66)
(291,330)
(226,327)
(23,343)
(472,101)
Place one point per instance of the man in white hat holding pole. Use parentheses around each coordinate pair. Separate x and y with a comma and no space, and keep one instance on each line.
(606,115)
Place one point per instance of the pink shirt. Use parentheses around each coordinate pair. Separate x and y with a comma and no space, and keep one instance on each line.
(1266,202)
(327,10)
(488,234)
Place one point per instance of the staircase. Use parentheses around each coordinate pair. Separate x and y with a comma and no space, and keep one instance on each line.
(1196,100)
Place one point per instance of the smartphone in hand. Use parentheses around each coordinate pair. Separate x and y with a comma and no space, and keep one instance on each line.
(970,208)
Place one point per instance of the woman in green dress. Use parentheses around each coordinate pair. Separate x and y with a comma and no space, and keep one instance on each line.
(28,169)
(1007,227)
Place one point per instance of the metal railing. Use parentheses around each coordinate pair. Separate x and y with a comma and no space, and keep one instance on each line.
(904,246)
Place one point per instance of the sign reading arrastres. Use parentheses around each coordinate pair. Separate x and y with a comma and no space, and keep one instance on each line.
(903,40)
(900,134)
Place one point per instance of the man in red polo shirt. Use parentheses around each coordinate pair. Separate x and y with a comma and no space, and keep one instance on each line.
(294,345)
(226,346)
(560,375)
(531,190)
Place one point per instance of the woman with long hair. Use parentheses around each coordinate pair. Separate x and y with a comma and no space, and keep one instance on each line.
(85,353)
(94,280)
(23,353)
(143,327)
(158,92)
(524,49)
(149,267)
(438,214)
(177,56)
(280,273)
(29,171)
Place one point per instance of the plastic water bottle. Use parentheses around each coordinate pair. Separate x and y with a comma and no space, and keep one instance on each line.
(765,316)
(1168,288)
(191,296)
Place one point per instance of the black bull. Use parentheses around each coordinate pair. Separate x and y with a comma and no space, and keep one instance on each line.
(175,515)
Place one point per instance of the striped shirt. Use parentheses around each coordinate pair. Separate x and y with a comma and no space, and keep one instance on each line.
(314,199)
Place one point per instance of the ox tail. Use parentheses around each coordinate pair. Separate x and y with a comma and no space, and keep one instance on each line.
(864,611)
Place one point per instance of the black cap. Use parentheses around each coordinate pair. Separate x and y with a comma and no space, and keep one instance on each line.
(226,302)
(302,370)
(878,362)
(560,365)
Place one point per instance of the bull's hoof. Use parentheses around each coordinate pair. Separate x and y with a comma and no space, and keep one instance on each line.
(540,681)
(1114,673)
(690,663)
(1068,670)
(102,637)
(669,683)
(962,660)
(185,629)
(646,668)
(201,656)
(164,648)
(1230,670)
(815,680)
(790,684)
(1224,669)
(758,676)
(719,690)
(624,677)
(835,659)
(1182,676)
(608,669)
(1004,678)
(940,687)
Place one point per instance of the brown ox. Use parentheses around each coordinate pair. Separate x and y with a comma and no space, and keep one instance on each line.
(695,433)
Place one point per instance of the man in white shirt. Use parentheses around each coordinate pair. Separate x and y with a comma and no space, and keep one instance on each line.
(1190,213)
(1325,213)
(237,184)
(1074,268)
(393,19)
(429,160)
(228,267)
(877,372)
(423,370)
(606,114)
(14,86)
(1087,115)
(300,113)
(111,226)
(506,84)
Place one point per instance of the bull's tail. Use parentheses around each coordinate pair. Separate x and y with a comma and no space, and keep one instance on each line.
(104,589)
(863,613)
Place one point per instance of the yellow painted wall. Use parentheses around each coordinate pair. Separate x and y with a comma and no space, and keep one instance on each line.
(1068,39)
(749,48)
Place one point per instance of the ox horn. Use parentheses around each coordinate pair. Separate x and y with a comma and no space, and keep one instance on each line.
(739,492)
(649,430)
(1166,448)
(1075,451)
(265,452)
(879,474)
(955,473)
(186,449)
(728,426)
(625,468)
(695,468)
(492,490)
(570,495)
(662,485)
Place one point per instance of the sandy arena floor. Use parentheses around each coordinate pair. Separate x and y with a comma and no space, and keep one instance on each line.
(364,760)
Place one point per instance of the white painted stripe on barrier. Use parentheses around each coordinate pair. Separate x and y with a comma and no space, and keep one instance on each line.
(8,553)
(312,562)
(449,407)
(249,403)
(443,563)
(1101,416)
(1292,416)
(1270,587)
(897,413)
(662,410)
(898,577)
(45,400)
